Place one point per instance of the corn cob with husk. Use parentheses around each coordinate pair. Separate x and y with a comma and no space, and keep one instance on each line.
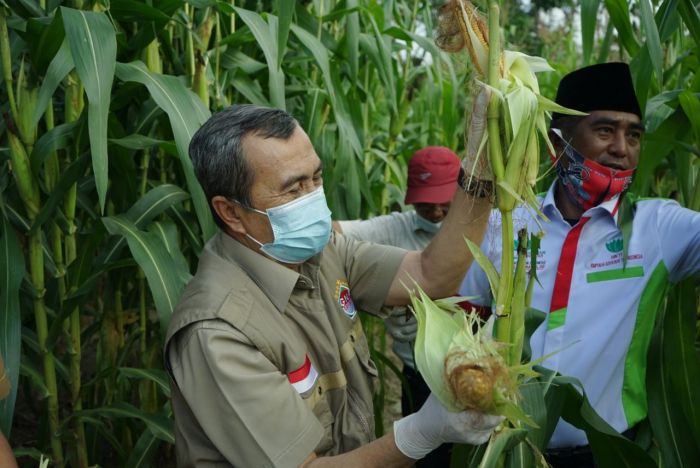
(523,108)
(461,363)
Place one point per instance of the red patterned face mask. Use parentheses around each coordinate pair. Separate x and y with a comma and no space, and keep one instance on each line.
(587,183)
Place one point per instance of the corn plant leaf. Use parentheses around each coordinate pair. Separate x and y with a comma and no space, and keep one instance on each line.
(610,448)
(486,265)
(29,371)
(589,21)
(12,271)
(672,411)
(691,18)
(656,147)
(346,128)
(167,233)
(620,16)
(186,113)
(235,59)
(139,142)
(68,178)
(44,40)
(59,137)
(93,47)
(286,11)
(159,376)
(653,42)
(382,46)
(161,272)
(59,67)
(153,203)
(265,34)
(352,40)
(182,218)
(250,89)
(159,423)
(144,451)
(352,184)
(499,443)
(691,106)
(680,339)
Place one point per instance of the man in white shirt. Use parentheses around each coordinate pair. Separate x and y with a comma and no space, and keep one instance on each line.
(600,312)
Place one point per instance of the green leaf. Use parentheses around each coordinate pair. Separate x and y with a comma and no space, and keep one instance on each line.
(139,142)
(12,271)
(59,67)
(68,178)
(653,42)
(57,138)
(589,22)
(266,36)
(158,423)
(93,46)
(502,441)
(691,106)
(384,66)
(167,233)
(346,127)
(153,203)
(486,265)
(620,16)
(186,113)
(286,11)
(144,451)
(159,376)
(672,406)
(691,18)
(352,40)
(352,183)
(682,356)
(155,261)
(610,449)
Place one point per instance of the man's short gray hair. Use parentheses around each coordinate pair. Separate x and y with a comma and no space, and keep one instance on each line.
(217,153)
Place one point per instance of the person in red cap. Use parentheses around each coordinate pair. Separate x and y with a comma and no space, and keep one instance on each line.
(432,182)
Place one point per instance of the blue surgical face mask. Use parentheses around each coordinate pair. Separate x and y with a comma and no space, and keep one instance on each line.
(426,225)
(301,228)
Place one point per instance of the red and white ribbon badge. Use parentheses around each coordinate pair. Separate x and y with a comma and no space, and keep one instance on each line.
(304,378)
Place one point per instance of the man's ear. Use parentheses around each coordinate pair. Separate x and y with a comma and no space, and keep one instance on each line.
(230,213)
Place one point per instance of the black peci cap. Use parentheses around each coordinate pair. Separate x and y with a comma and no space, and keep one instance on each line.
(606,86)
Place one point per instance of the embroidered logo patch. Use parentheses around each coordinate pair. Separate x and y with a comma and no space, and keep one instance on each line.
(614,245)
(342,295)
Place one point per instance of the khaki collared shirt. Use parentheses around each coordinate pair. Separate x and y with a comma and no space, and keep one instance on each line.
(269,365)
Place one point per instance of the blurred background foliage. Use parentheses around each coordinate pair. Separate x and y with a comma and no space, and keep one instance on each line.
(102,220)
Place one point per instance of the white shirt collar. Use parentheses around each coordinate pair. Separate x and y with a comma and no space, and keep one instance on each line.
(549,206)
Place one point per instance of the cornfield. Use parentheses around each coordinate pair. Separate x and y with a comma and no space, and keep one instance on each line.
(102,219)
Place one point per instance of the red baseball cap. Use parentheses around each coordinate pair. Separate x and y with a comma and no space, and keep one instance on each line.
(432,175)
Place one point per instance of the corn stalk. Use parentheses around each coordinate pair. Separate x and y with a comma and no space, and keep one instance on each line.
(29,193)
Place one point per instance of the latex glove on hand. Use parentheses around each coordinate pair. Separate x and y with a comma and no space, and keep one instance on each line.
(420,433)
(401,325)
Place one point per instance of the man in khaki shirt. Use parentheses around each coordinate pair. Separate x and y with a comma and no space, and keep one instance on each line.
(266,353)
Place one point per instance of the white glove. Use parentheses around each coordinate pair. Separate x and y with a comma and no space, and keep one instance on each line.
(420,433)
(401,325)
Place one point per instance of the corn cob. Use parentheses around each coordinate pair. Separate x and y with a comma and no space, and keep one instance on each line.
(524,109)
(461,363)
